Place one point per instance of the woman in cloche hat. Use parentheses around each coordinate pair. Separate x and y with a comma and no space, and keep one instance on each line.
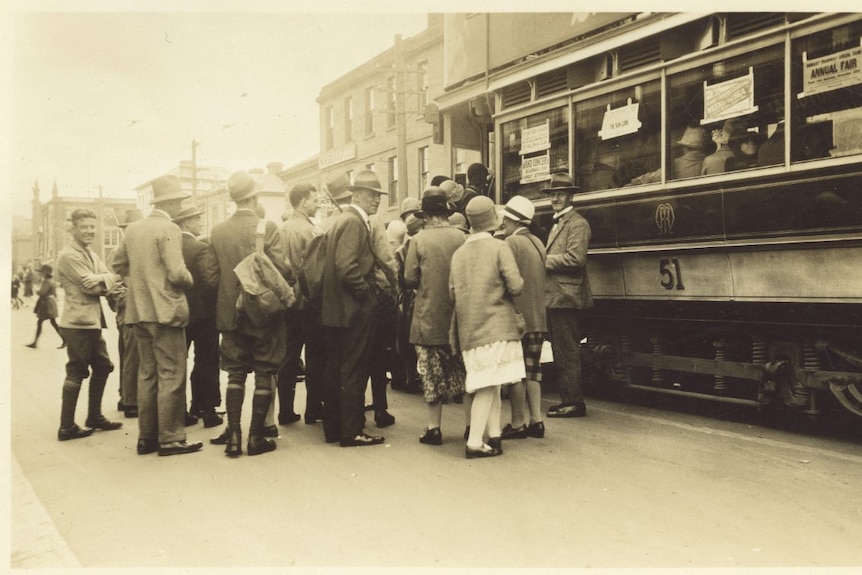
(486,331)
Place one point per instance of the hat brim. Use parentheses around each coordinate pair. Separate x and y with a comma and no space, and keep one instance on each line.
(406,213)
(450,209)
(353,188)
(187,216)
(512,217)
(169,197)
(566,189)
(342,196)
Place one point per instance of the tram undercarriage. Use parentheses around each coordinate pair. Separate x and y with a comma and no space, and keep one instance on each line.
(730,352)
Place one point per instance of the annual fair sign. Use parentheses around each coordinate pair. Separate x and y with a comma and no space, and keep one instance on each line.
(838,70)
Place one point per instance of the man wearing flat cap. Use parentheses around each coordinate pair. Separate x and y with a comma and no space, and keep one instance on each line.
(246,347)
(567,292)
(350,294)
(201,330)
(151,256)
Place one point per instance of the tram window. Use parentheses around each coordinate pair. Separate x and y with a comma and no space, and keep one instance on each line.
(617,138)
(826,78)
(532,148)
(727,116)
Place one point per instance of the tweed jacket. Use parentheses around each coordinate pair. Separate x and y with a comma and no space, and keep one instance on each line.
(81,306)
(231,241)
(483,282)
(426,269)
(201,262)
(150,257)
(530,256)
(567,284)
(349,281)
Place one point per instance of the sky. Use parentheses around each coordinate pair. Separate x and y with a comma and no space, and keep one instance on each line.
(113,99)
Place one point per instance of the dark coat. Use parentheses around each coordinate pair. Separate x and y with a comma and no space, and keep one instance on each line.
(46,305)
(348,280)
(201,262)
(231,241)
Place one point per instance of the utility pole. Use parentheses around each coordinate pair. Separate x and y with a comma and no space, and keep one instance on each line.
(400,121)
(194,172)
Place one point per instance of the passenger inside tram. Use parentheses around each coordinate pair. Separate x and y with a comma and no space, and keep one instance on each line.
(720,161)
(745,145)
(696,145)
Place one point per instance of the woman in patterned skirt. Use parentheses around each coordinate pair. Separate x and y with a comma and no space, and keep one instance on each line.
(426,269)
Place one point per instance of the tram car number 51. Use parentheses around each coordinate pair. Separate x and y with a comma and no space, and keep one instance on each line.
(672,274)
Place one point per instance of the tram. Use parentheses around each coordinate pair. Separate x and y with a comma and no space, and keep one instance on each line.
(719,161)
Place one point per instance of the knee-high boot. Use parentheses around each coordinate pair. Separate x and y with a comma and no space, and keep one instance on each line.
(95,419)
(233,402)
(71,389)
(257,443)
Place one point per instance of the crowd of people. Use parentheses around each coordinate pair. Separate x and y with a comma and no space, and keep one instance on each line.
(454,298)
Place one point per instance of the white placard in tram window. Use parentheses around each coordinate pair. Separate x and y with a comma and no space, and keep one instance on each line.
(535,139)
(827,73)
(620,121)
(728,99)
(536,168)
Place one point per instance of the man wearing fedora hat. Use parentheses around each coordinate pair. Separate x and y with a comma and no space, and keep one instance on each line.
(84,279)
(350,291)
(695,144)
(246,347)
(151,256)
(567,292)
(201,330)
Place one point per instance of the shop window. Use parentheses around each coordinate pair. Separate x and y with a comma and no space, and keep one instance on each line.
(727,116)
(617,138)
(826,79)
(532,148)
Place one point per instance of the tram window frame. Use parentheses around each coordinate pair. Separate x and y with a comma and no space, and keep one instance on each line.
(558,117)
(825,123)
(758,130)
(637,154)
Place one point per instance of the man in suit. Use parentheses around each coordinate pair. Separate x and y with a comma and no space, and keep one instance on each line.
(246,347)
(151,256)
(567,293)
(296,233)
(201,330)
(84,279)
(349,298)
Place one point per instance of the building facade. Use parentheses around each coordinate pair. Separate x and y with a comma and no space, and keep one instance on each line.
(52,223)
(381,116)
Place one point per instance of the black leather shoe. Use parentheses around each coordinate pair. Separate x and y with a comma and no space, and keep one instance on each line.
(146,446)
(383,418)
(268,431)
(179,448)
(131,411)
(288,418)
(233,445)
(73,432)
(103,423)
(496,443)
(191,419)
(510,432)
(568,410)
(221,439)
(484,451)
(212,419)
(361,440)
(536,430)
(432,437)
(258,444)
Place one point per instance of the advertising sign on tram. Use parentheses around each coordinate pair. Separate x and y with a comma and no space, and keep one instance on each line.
(536,168)
(838,70)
